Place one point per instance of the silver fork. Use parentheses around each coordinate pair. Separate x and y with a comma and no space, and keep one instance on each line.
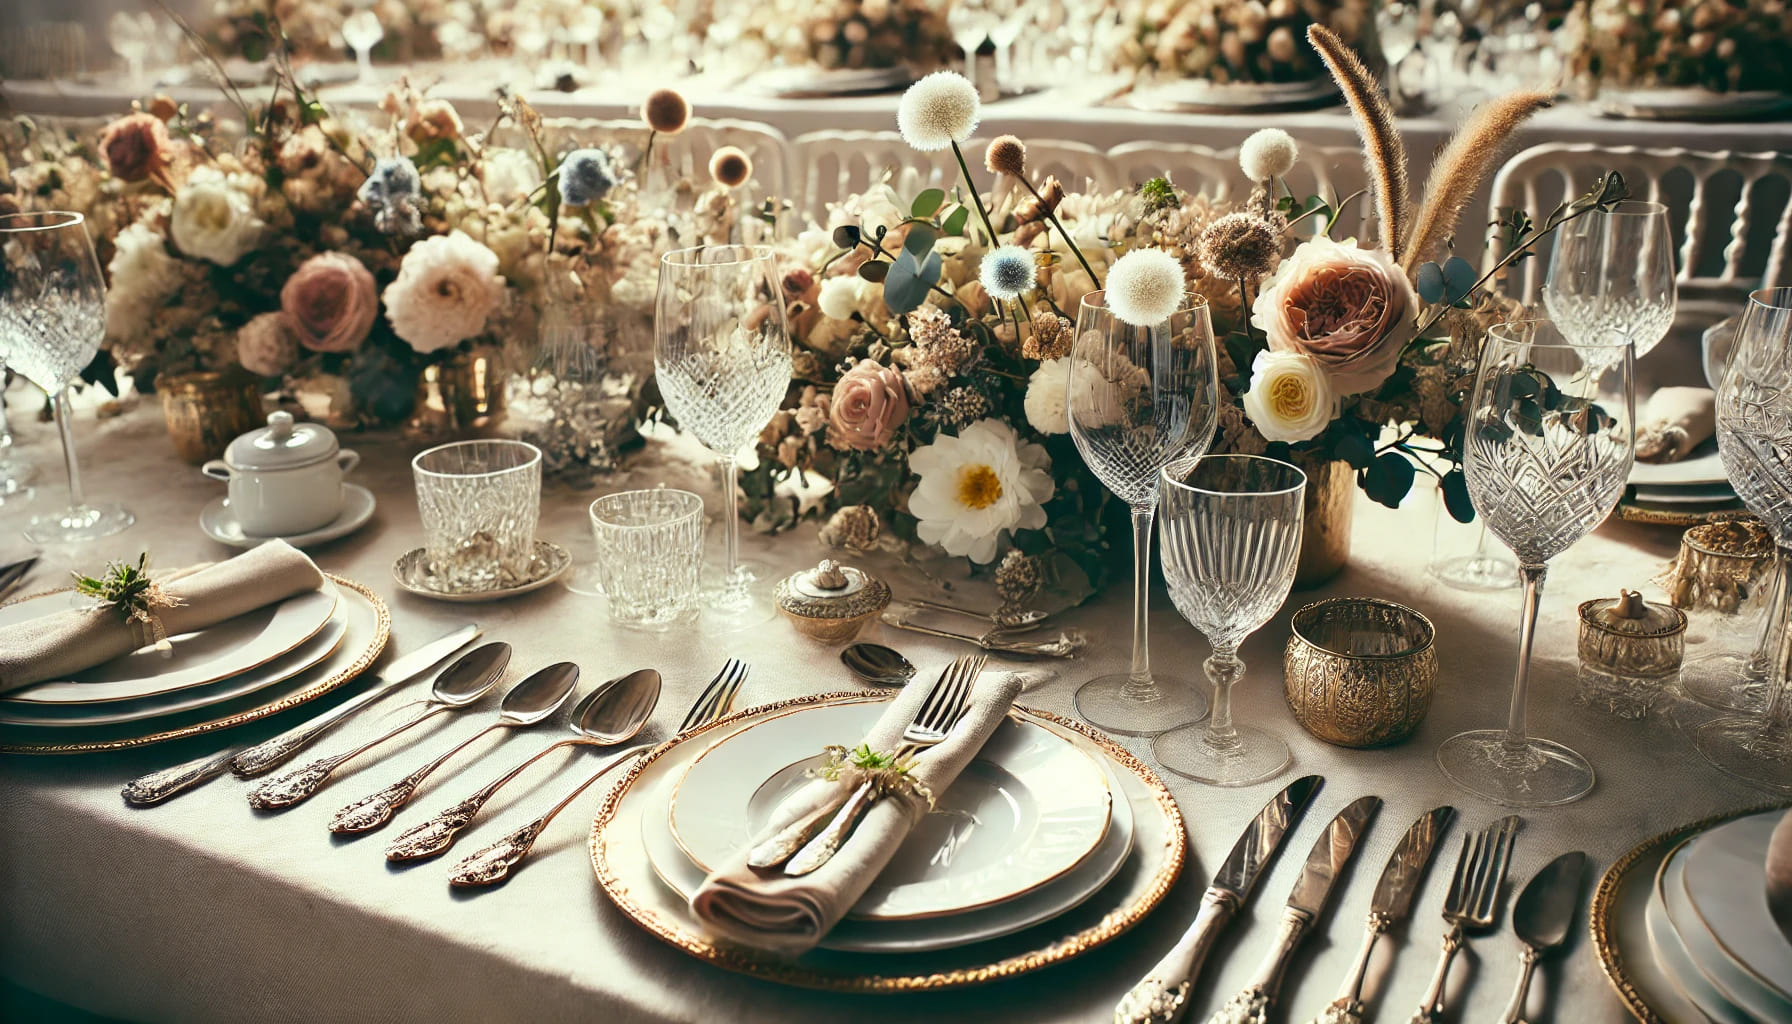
(1472,904)
(941,710)
(495,863)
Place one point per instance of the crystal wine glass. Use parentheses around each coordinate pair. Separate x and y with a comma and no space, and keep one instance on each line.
(721,354)
(1548,446)
(362,32)
(1231,541)
(14,473)
(1614,271)
(1140,399)
(52,320)
(1754,437)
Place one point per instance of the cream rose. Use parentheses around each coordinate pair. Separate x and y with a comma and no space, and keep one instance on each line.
(1351,309)
(1290,398)
(445,289)
(214,217)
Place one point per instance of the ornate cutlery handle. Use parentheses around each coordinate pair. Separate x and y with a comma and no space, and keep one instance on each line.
(1251,1006)
(1527,962)
(821,849)
(265,756)
(1348,1007)
(437,834)
(900,622)
(158,786)
(1162,996)
(1431,1010)
(295,786)
(370,812)
(794,836)
(495,863)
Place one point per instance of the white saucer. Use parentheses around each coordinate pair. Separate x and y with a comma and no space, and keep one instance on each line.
(219,522)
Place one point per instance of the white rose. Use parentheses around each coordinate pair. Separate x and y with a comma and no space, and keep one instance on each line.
(214,217)
(1290,398)
(1045,402)
(143,275)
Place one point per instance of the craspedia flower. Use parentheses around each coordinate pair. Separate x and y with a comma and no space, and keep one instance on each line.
(963,405)
(585,177)
(1239,247)
(938,110)
(730,166)
(1008,271)
(855,528)
(1006,155)
(1145,287)
(1268,153)
(1018,577)
(1050,338)
(666,111)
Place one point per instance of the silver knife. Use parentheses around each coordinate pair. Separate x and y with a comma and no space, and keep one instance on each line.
(1389,906)
(1162,996)
(1311,890)
(159,786)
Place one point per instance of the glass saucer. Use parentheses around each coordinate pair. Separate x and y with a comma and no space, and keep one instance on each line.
(548,563)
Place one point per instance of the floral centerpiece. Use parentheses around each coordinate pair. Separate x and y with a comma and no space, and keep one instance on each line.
(1718,45)
(829,34)
(1227,42)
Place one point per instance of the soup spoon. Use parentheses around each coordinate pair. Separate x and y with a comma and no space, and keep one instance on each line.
(528,702)
(878,665)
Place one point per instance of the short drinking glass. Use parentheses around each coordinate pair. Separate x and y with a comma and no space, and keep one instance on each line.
(649,555)
(479,501)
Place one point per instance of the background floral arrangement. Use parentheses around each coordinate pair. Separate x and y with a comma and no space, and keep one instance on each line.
(1725,45)
(1227,41)
(832,33)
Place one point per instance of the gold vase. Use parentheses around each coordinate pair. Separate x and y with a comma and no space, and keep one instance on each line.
(1325,530)
(1359,672)
(460,394)
(206,411)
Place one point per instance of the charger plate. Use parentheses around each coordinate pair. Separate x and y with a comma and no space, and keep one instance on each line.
(1616,923)
(625,873)
(369,627)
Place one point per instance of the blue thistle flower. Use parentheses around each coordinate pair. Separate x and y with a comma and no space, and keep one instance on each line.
(1008,271)
(585,177)
(394,193)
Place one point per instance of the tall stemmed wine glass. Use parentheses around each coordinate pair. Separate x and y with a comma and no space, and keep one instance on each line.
(721,353)
(1547,448)
(1613,270)
(1141,399)
(1231,541)
(1754,437)
(52,320)
(14,473)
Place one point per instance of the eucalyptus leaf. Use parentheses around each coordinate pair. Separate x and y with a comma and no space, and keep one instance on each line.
(1527,416)
(1459,278)
(1454,487)
(927,202)
(874,270)
(846,236)
(1356,450)
(1397,476)
(908,280)
(955,221)
(1429,281)
(920,240)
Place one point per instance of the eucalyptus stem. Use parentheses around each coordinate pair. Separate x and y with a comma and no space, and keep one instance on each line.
(1504,262)
(970,186)
(1052,216)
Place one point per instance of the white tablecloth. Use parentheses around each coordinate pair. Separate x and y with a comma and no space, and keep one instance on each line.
(203,910)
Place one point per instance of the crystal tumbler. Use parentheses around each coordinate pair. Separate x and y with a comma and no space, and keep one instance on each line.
(649,555)
(479,501)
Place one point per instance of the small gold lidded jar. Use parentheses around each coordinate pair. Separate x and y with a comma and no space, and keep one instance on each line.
(1629,649)
(832,602)
(1358,671)
(206,411)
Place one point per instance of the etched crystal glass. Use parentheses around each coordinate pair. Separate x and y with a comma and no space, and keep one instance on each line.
(1141,399)
(1547,448)
(52,321)
(14,473)
(1613,270)
(479,501)
(649,555)
(1231,540)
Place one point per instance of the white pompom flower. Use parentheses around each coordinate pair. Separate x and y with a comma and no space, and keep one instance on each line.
(839,297)
(1008,271)
(1145,287)
(938,110)
(1268,153)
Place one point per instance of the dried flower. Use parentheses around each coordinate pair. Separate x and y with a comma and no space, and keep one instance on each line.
(1008,271)
(163,107)
(1158,194)
(1240,246)
(1033,209)
(1006,155)
(854,528)
(937,111)
(137,147)
(1145,287)
(1050,337)
(924,380)
(433,121)
(1268,154)
(963,405)
(730,166)
(1018,577)
(666,111)
(938,344)
(586,177)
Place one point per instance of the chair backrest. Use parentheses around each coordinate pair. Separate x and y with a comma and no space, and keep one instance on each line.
(1731,212)
(837,164)
(1330,171)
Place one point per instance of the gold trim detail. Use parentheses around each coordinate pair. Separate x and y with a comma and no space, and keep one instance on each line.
(743,961)
(382,633)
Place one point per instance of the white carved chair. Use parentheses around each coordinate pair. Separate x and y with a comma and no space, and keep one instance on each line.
(1331,171)
(837,164)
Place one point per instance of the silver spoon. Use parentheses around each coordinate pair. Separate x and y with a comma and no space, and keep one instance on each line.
(460,684)
(528,702)
(610,714)
(1066,644)
(1005,617)
(878,665)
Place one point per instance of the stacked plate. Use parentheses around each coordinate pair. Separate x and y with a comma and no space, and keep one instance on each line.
(1051,840)
(238,670)
(1695,489)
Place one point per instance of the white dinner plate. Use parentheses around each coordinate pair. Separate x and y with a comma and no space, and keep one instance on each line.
(1704,466)
(219,652)
(1726,975)
(1028,810)
(1671,957)
(1197,95)
(817,81)
(1726,886)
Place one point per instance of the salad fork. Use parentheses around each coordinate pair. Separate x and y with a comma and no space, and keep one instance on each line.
(1472,904)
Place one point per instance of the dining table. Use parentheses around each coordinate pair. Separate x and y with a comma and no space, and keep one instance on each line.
(203,909)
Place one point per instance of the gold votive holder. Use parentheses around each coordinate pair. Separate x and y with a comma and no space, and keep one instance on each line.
(207,410)
(1359,671)
(1721,567)
(1629,650)
(831,602)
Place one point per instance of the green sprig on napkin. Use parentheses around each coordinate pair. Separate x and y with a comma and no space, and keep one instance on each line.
(885,773)
(133,593)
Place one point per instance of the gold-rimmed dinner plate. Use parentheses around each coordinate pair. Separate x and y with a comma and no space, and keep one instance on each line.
(368,627)
(1725,884)
(1025,812)
(623,870)
(206,656)
(1732,984)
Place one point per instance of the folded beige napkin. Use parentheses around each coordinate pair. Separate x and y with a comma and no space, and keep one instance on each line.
(1674,422)
(59,645)
(770,910)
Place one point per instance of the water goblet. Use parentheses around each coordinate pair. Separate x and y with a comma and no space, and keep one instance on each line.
(649,555)
(479,502)
(52,320)
(362,32)
(1141,399)
(1231,540)
(721,355)
(1613,271)
(14,473)
(1548,446)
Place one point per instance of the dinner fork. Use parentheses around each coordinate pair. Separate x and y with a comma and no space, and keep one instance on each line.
(13,574)
(495,863)
(1472,904)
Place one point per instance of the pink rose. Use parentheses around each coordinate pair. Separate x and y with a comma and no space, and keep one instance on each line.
(329,303)
(869,403)
(1351,309)
(137,147)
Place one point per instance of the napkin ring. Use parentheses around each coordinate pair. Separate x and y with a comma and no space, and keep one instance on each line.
(132,592)
(884,773)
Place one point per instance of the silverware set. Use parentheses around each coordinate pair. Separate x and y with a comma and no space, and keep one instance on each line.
(1000,639)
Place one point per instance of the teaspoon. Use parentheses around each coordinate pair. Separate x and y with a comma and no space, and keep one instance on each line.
(460,684)
(878,665)
(612,713)
(1004,617)
(528,702)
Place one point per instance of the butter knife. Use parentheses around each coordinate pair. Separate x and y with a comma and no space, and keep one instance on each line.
(1311,891)
(158,786)
(1389,906)
(1162,997)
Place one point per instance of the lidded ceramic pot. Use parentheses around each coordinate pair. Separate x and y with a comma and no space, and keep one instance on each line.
(285,478)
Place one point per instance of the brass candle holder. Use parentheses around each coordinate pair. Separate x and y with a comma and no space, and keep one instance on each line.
(1358,671)
(205,411)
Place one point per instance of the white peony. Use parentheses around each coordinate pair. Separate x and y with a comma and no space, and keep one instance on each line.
(445,289)
(214,216)
(1047,407)
(977,484)
(143,276)
(1290,398)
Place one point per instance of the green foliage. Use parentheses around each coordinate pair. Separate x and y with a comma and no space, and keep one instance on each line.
(124,587)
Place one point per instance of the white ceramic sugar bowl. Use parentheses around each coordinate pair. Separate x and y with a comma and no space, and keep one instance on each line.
(285,478)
